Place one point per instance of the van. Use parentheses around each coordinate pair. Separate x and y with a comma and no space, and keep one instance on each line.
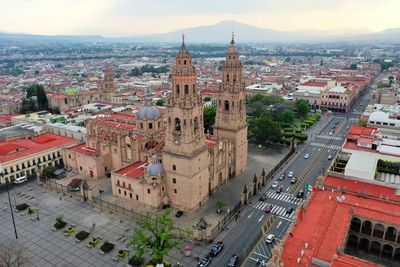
(20,180)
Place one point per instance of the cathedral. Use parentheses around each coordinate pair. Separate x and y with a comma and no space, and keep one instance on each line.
(166,158)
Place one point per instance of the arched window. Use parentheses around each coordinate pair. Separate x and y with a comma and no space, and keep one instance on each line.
(177,89)
(234,78)
(177,124)
(196,124)
(184,62)
(227,77)
(186,89)
(233,103)
(226,105)
(240,104)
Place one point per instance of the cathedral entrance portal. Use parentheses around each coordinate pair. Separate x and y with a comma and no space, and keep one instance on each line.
(220,179)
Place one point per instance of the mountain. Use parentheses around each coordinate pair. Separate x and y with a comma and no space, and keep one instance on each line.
(221,33)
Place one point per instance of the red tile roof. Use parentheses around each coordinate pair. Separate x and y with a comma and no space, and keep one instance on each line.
(324,224)
(134,170)
(7,118)
(362,130)
(317,84)
(82,149)
(32,146)
(116,124)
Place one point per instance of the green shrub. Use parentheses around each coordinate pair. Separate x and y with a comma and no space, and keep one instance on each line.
(107,246)
(136,261)
(22,206)
(82,235)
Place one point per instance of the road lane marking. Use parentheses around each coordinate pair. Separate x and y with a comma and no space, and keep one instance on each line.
(279,224)
(287,189)
(259,220)
(248,217)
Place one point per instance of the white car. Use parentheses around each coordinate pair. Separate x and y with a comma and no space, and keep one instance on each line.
(270,238)
(306,156)
(290,174)
(275,184)
(330,133)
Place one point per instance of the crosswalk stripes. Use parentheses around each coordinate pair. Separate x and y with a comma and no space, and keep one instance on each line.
(330,137)
(283,197)
(277,210)
(334,147)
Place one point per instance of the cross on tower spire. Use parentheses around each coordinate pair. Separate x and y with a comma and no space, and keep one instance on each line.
(233,38)
(183,40)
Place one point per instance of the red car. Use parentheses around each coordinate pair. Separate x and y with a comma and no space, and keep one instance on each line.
(268,208)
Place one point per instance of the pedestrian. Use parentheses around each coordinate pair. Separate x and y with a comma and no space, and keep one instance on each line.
(60,198)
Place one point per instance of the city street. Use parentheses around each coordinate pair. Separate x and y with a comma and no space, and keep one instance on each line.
(319,147)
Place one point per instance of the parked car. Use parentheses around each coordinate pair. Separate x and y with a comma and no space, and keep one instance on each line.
(178,214)
(282,177)
(329,157)
(263,197)
(204,261)
(216,248)
(233,261)
(300,194)
(330,133)
(279,189)
(275,184)
(289,210)
(269,239)
(74,189)
(290,174)
(268,209)
(294,180)
(336,123)
(306,156)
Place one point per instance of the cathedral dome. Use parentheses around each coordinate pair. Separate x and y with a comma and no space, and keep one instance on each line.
(148,112)
(155,168)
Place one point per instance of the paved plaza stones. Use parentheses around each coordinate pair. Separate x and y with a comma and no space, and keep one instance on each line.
(45,247)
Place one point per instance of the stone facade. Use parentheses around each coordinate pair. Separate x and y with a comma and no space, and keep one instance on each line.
(65,101)
(166,158)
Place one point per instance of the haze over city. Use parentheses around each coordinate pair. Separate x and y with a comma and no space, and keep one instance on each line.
(118,18)
(182,133)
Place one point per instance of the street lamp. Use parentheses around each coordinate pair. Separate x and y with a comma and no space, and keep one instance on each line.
(9,199)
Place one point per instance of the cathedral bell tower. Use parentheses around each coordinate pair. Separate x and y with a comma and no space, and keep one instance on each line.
(108,82)
(230,120)
(185,155)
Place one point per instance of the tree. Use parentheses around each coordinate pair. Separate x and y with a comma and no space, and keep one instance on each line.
(287,116)
(48,172)
(207,98)
(37,90)
(353,66)
(155,236)
(12,255)
(264,129)
(209,114)
(220,204)
(160,102)
(302,108)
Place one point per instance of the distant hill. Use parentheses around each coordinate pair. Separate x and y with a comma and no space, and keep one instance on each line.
(221,33)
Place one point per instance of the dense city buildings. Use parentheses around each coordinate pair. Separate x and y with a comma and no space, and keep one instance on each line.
(285,154)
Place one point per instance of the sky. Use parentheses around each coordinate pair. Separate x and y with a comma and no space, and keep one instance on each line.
(132,17)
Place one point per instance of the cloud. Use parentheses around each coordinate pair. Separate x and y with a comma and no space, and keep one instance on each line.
(130,17)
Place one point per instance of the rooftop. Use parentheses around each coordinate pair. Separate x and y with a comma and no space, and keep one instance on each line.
(82,149)
(324,224)
(134,170)
(13,150)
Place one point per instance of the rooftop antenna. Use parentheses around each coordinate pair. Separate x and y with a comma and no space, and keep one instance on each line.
(233,38)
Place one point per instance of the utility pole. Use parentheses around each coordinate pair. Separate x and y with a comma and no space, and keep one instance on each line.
(9,200)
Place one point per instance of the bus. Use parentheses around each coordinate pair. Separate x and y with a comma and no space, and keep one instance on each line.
(20,180)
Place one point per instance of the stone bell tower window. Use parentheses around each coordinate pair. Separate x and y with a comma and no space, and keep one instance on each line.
(226,105)
(177,124)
